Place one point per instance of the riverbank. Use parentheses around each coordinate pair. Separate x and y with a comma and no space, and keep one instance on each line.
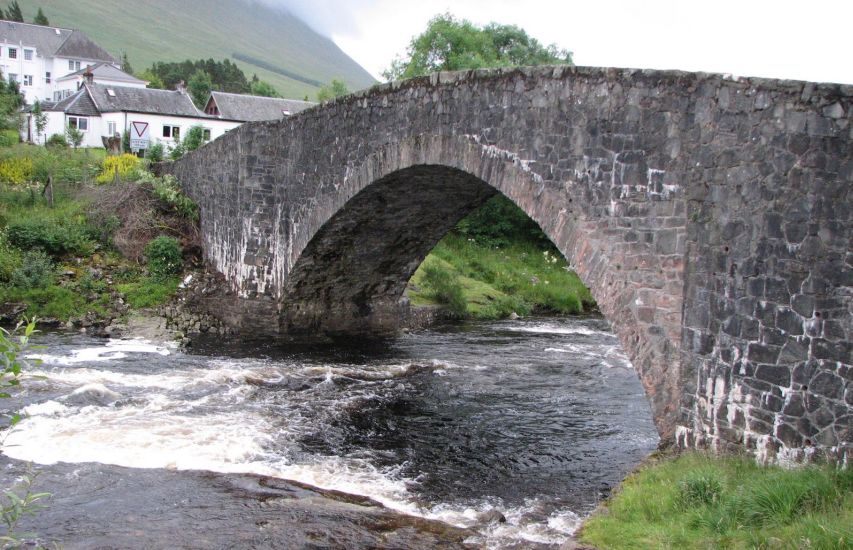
(697,501)
(476,278)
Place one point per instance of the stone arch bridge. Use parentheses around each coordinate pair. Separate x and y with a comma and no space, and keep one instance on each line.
(710,217)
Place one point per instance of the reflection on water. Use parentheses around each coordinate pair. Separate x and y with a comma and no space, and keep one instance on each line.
(536,419)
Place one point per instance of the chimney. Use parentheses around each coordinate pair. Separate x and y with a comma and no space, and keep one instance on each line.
(88,76)
(181,87)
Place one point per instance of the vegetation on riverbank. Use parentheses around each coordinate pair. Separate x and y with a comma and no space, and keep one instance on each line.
(497,262)
(696,501)
(77,252)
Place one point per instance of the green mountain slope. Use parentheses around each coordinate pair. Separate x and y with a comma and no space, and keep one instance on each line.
(273,44)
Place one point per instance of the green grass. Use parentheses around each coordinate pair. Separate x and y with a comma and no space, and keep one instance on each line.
(521,277)
(149,292)
(695,501)
(56,302)
(164,30)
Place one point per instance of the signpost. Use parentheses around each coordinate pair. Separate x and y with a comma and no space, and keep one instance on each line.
(139,136)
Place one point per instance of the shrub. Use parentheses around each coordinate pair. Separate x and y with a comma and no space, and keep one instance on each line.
(10,258)
(164,256)
(9,138)
(194,138)
(168,191)
(16,170)
(126,163)
(36,271)
(57,140)
(54,238)
(176,152)
(155,152)
(443,286)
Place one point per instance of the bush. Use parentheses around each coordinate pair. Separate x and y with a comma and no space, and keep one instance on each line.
(155,152)
(16,170)
(10,258)
(168,191)
(57,140)
(176,152)
(9,138)
(194,138)
(443,286)
(164,256)
(126,164)
(53,237)
(36,271)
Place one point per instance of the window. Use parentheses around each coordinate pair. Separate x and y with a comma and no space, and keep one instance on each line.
(13,53)
(173,132)
(28,55)
(47,78)
(13,77)
(73,65)
(28,80)
(205,134)
(80,123)
(111,129)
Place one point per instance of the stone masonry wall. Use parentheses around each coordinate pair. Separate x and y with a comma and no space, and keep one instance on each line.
(704,213)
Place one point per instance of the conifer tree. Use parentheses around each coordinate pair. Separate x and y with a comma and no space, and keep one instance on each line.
(13,12)
(41,18)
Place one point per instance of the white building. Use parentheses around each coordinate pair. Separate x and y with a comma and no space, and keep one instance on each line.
(100,110)
(39,57)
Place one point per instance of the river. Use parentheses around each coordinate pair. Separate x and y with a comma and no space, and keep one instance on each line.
(144,445)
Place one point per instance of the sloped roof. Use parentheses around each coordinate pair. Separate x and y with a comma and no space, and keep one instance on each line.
(53,41)
(142,100)
(79,103)
(250,108)
(106,71)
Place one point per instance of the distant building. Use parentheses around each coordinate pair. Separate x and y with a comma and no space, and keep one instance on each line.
(251,108)
(102,73)
(99,110)
(39,57)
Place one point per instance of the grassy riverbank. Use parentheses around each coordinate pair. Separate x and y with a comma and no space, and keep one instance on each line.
(694,501)
(80,257)
(475,278)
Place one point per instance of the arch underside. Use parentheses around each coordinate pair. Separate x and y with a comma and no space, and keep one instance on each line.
(350,277)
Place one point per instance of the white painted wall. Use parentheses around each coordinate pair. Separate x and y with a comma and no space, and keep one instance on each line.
(99,126)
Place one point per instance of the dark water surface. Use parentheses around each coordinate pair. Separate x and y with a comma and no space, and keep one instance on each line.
(534,418)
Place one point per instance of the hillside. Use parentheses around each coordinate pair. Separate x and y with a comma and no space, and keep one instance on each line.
(275,45)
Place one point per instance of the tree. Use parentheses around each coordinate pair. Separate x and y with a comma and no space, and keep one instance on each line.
(335,89)
(11,101)
(199,86)
(260,87)
(41,18)
(13,12)
(75,136)
(39,119)
(125,64)
(449,44)
(154,81)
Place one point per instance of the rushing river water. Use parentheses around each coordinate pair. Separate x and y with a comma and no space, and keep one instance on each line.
(536,419)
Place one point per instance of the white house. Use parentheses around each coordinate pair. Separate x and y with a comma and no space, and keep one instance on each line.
(100,110)
(39,57)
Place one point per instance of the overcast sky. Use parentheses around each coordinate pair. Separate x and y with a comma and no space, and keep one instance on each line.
(804,39)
